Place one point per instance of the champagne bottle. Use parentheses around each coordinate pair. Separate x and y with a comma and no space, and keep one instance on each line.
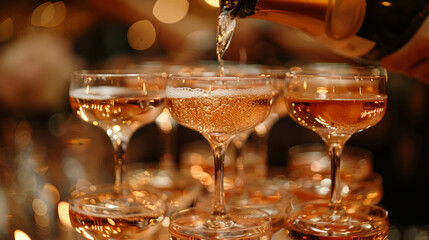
(357,29)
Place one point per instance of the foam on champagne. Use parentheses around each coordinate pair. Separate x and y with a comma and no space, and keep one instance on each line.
(185,92)
(105,92)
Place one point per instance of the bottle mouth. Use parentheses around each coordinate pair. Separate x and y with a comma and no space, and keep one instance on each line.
(240,8)
(227,5)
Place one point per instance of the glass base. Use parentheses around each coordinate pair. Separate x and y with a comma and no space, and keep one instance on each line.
(111,212)
(177,188)
(247,223)
(311,221)
(267,198)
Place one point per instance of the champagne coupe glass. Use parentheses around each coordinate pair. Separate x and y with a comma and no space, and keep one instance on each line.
(261,131)
(253,189)
(335,101)
(219,108)
(309,168)
(118,102)
(178,188)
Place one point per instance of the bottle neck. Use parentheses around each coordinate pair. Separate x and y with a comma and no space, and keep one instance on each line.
(243,8)
(365,29)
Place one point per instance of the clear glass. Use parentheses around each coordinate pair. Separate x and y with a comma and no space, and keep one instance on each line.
(103,212)
(254,189)
(118,102)
(219,108)
(261,132)
(309,168)
(335,101)
(250,224)
(365,222)
(178,188)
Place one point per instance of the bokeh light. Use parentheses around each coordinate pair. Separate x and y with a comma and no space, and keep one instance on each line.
(213,3)
(20,235)
(56,14)
(48,14)
(36,17)
(6,29)
(141,35)
(51,192)
(39,207)
(170,11)
(63,213)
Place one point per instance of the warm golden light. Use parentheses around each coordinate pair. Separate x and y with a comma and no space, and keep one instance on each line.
(52,192)
(213,3)
(36,16)
(42,221)
(196,171)
(63,213)
(141,35)
(322,90)
(170,11)
(163,121)
(6,29)
(20,235)
(39,207)
(386,3)
(54,14)
(48,14)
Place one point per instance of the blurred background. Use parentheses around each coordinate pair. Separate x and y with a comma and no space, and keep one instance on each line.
(45,149)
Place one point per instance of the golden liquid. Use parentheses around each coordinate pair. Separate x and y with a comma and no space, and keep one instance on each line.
(175,235)
(346,115)
(225,31)
(226,114)
(297,234)
(116,108)
(113,227)
(361,223)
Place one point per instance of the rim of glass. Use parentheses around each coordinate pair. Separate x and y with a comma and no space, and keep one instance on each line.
(192,227)
(199,77)
(116,72)
(93,188)
(337,71)
(384,214)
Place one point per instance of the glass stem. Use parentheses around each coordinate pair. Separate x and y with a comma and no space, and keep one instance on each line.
(238,144)
(219,157)
(335,152)
(219,218)
(167,161)
(119,147)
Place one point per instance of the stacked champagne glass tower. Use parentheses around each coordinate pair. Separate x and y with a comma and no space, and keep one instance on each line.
(333,100)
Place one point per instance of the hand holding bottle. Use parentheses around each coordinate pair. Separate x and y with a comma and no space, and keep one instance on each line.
(413,58)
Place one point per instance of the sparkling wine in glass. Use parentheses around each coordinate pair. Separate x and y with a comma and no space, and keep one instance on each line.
(254,189)
(118,102)
(219,108)
(309,171)
(103,212)
(336,101)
